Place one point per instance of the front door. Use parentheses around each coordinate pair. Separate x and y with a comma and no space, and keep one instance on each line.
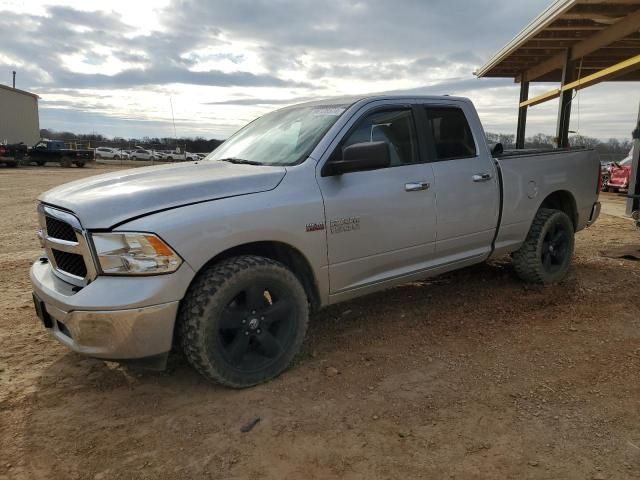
(380,223)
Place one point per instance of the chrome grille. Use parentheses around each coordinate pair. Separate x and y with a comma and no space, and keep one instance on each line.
(65,243)
(70,262)
(59,229)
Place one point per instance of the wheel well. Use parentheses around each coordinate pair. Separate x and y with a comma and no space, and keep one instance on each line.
(563,201)
(285,254)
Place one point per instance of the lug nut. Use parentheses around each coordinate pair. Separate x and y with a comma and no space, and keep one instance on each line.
(246,333)
(261,318)
(244,321)
(259,331)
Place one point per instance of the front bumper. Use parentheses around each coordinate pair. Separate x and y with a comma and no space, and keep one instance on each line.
(595,213)
(113,318)
(117,334)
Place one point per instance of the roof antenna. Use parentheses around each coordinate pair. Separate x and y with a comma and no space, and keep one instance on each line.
(14,79)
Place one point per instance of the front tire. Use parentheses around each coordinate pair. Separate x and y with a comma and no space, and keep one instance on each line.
(243,321)
(545,256)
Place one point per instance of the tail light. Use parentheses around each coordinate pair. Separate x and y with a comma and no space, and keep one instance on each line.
(599,186)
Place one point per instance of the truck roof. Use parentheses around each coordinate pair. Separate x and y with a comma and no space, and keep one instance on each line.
(350,100)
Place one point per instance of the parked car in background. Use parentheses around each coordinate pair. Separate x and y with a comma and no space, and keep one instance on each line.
(174,155)
(56,151)
(12,155)
(605,173)
(141,154)
(108,153)
(619,175)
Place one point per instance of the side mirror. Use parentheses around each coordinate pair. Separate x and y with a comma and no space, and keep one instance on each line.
(497,149)
(359,157)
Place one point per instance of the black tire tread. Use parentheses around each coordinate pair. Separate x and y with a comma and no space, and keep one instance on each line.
(526,260)
(191,319)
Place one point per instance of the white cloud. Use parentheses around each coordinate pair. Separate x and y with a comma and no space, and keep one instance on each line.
(111,67)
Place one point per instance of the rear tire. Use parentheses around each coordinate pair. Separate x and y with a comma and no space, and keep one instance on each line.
(79,164)
(65,162)
(243,321)
(40,163)
(545,256)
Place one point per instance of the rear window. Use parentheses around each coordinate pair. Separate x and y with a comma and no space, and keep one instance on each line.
(451,133)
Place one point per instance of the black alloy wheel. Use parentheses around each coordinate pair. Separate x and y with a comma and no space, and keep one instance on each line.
(243,320)
(256,326)
(545,256)
(555,247)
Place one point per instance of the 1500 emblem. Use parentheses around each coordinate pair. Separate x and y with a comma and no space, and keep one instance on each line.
(348,224)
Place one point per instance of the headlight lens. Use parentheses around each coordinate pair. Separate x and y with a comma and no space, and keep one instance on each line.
(134,254)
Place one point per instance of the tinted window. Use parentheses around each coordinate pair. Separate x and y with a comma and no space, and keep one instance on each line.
(394,127)
(451,133)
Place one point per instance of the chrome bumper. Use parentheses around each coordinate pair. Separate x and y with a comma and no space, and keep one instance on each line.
(115,335)
(93,323)
(595,213)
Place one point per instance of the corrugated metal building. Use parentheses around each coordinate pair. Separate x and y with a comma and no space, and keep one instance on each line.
(19,120)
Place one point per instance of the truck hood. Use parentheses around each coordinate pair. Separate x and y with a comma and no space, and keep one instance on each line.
(106,200)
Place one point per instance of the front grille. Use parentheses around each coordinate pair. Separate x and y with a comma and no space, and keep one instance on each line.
(66,245)
(72,263)
(60,230)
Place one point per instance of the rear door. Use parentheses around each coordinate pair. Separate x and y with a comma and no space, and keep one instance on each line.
(467,189)
(380,223)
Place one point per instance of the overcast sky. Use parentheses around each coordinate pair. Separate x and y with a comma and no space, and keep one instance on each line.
(112,67)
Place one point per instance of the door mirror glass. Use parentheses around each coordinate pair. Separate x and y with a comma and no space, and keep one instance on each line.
(359,157)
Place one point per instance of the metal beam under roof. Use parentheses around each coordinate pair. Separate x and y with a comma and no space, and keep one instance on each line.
(602,29)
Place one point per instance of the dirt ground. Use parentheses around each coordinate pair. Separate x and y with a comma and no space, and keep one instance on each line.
(469,375)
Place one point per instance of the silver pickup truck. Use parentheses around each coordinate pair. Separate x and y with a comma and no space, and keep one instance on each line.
(304,207)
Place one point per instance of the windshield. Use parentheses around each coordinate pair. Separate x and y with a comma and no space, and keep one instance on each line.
(284,137)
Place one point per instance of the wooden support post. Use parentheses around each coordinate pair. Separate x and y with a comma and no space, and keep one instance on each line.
(564,109)
(522,112)
(634,177)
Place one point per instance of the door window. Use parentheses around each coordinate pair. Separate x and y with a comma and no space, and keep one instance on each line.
(395,127)
(451,133)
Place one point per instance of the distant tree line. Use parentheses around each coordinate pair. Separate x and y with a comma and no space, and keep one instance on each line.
(609,149)
(92,140)
(612,148)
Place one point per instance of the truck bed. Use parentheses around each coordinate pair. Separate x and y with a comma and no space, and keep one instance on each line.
(530,176)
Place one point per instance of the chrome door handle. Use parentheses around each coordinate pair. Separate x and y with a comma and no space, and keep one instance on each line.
(481,177)
(416,186)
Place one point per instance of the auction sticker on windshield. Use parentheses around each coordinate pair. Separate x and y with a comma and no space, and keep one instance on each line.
(328,111)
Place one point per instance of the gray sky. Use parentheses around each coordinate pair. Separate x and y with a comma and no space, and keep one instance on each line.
(111,67)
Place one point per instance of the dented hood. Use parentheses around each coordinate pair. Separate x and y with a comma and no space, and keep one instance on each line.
(106,200)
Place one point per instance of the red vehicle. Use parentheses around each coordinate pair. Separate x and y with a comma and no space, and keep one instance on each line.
(11,155)
(619,175)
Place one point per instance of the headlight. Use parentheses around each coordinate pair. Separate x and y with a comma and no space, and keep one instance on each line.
(134,254)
